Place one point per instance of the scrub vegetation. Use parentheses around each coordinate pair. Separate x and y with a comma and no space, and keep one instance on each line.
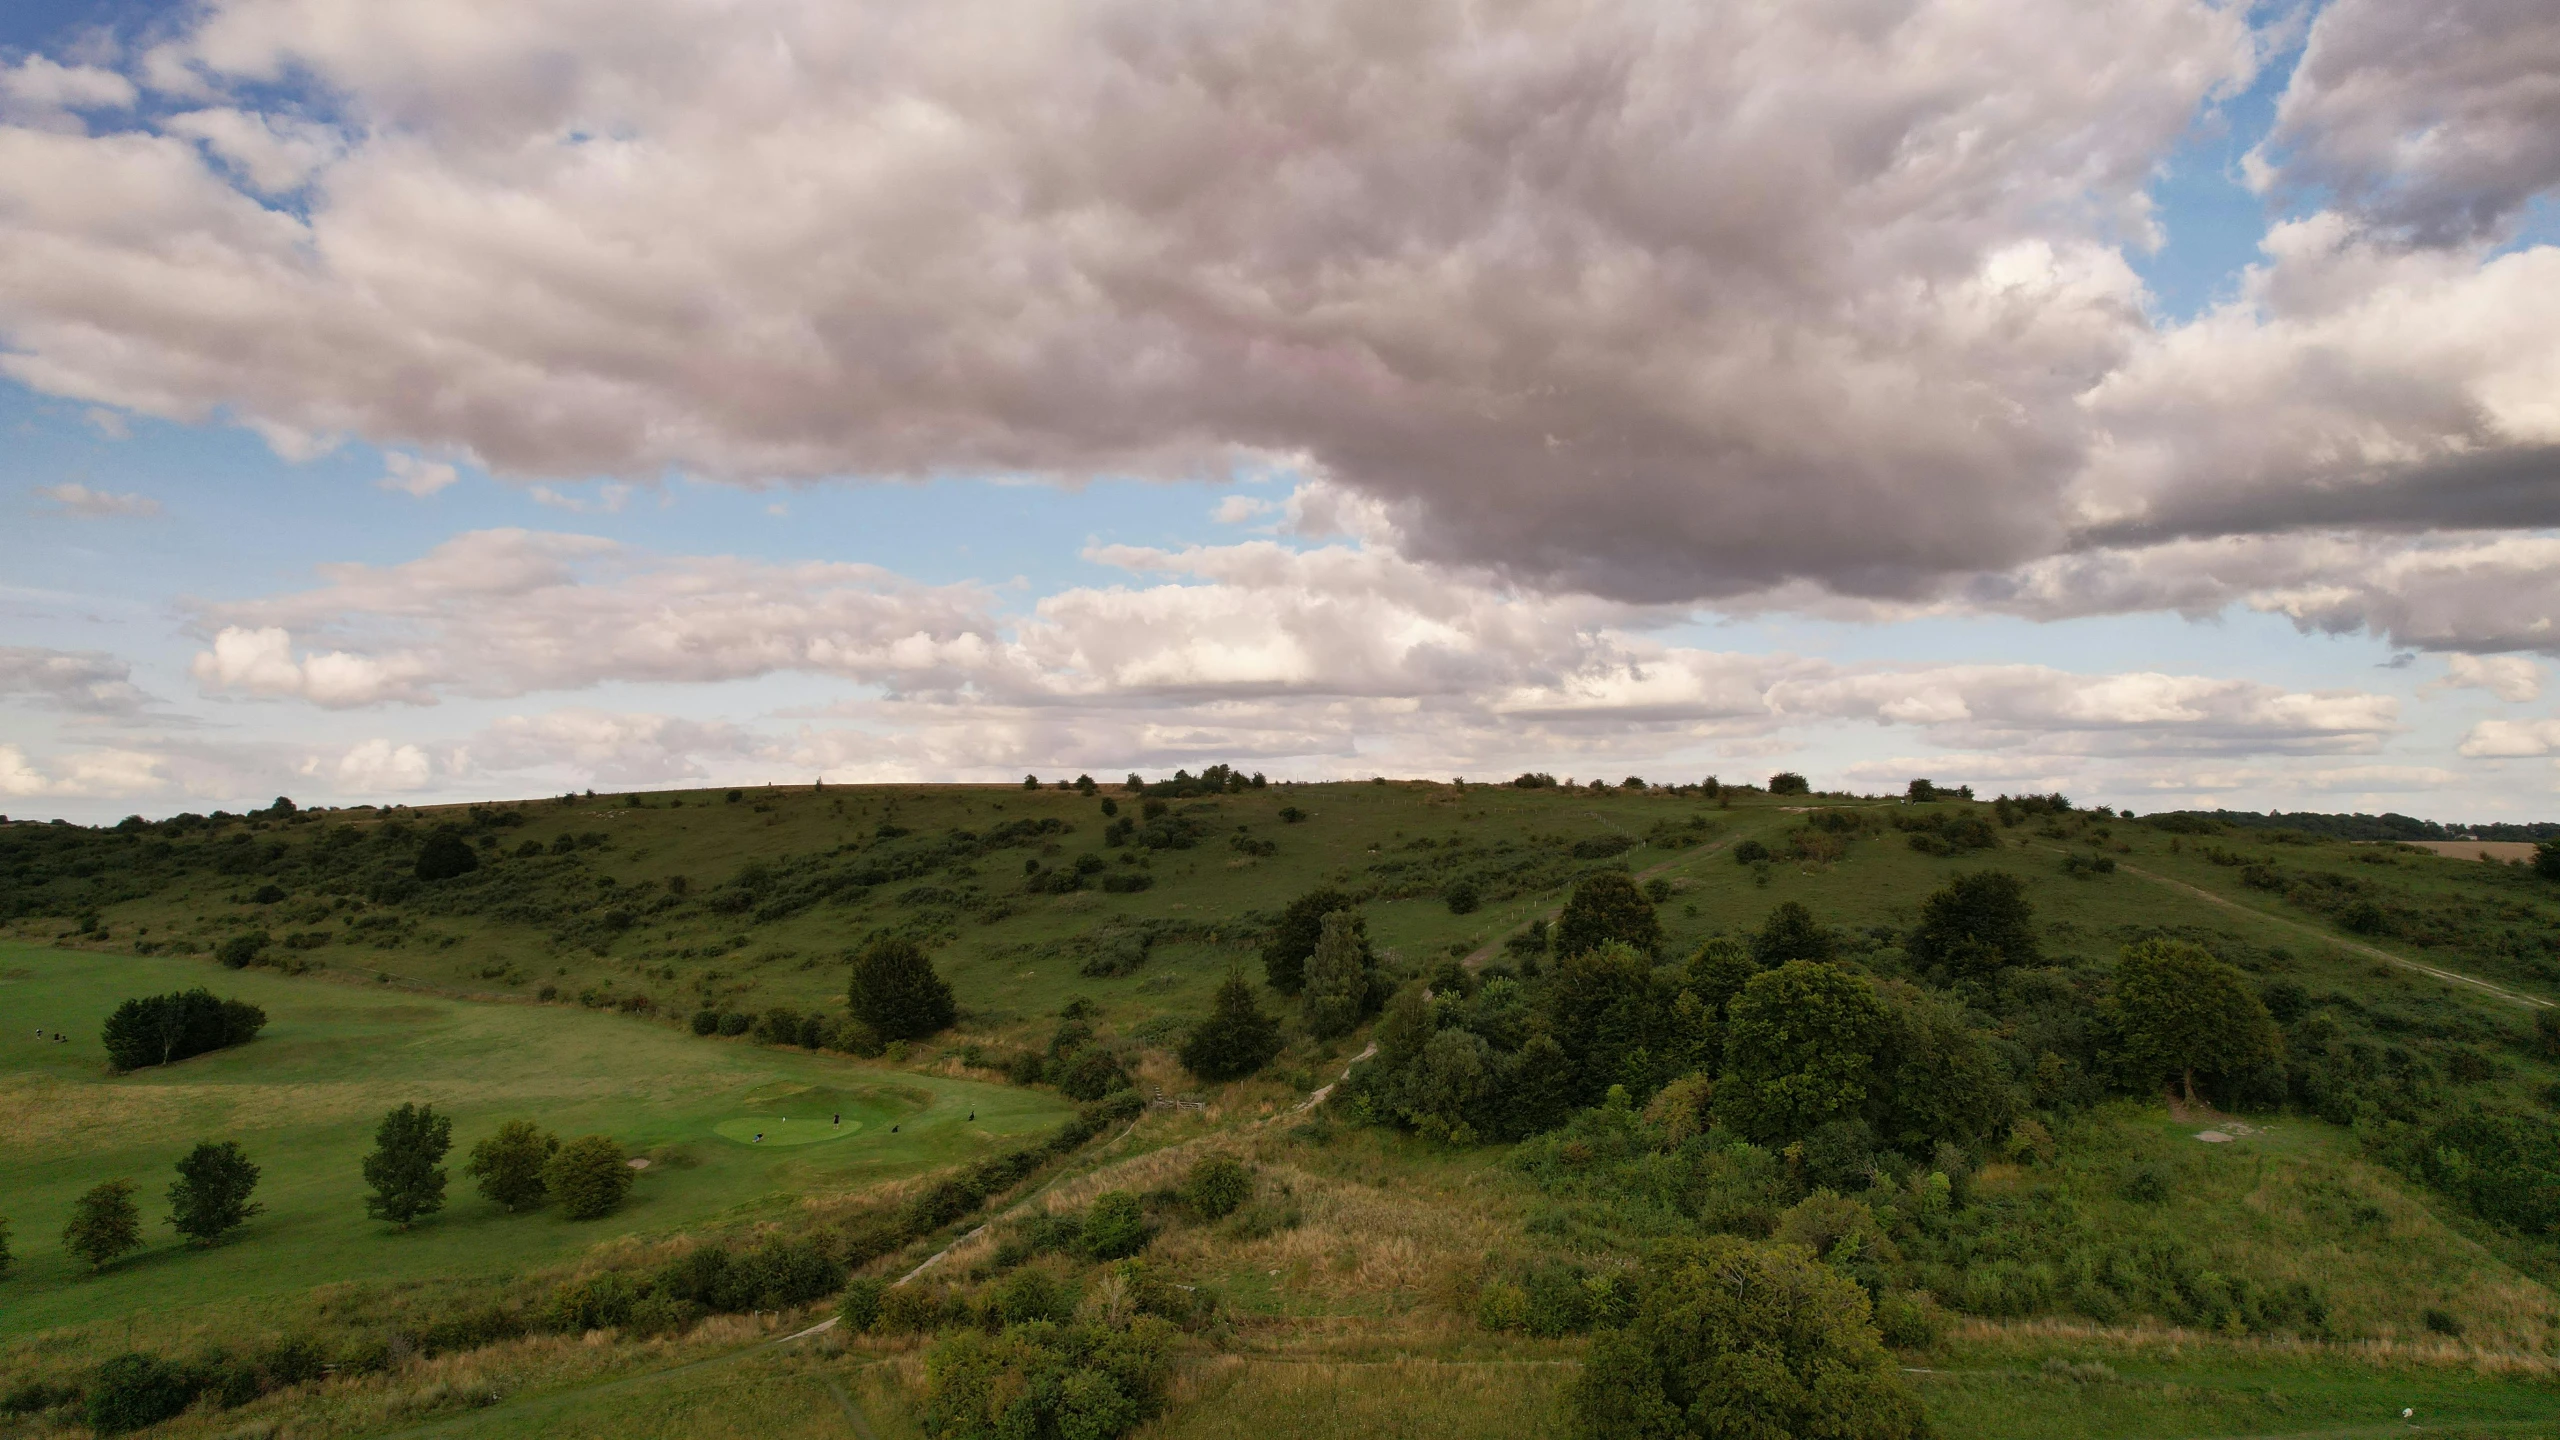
(1208,1106)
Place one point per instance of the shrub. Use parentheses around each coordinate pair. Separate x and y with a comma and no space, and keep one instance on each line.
(1042,1379)
(896,992)
(1750,852)
(588,1176)
(509,1165)
(1788,782)
(1735,1339)
(860,1308)
(132,1391)
(1114,1226)
(1236,1039)
(908,1310)
(1791,933)
(706,1022)
(446,855)
(1462,898)
(736,1022)
(241,951)
(1216,1185)
(1091,1073)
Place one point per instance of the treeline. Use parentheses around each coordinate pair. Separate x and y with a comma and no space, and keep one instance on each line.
(2359,826)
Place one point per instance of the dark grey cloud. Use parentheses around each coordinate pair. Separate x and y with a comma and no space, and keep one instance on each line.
(2440,119)
(85,682)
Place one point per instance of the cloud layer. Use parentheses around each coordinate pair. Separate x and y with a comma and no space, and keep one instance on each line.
(1652,303)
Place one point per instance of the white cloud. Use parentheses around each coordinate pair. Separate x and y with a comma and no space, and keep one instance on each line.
(261,662)
(38,92)
(2511,739)
(412,476)
(1240,509)
(98,773)
(609,499)
(375,767)
(107,423)
(74,498)
(2511,678)
(276,154)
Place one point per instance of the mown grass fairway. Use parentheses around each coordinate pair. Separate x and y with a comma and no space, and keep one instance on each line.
(304,1097)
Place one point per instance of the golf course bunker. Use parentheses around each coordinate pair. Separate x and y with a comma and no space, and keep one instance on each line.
(807,1114)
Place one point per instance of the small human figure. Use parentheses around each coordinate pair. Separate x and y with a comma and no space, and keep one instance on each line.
(759,1137)
(973,1117)
(839,1117)
(893,1129)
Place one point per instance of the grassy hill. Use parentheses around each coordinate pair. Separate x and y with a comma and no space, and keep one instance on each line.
(2348,1251)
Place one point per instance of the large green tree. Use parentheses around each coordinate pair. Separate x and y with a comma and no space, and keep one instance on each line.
(1977,924)
(1800,1050)
(1733,1340)
(210,1198)
(1294,937)
(2181,1012)
(896,992)
(508,1165)
(1339,975)
(2546,859)
(104,1224)
(405,1172)
(1791,933)
(588,1176)
(1236,1039)
(445,855)
(1603,1008)
(1606,906)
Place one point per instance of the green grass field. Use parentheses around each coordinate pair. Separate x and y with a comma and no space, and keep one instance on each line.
(303,1099)
(1349,1319)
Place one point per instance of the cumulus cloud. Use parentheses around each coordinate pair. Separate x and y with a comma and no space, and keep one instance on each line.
(414,477)
(262,662)
(74,498)
(2441,119)
(1731,302)
(40,93)
(620,748)
(87,682)
(373,767)
(2511,739)
(2511,678)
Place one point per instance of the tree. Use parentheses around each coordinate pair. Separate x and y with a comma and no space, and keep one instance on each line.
(1293,938)
(1977,924)
(1719,970)
(1337,990)
(1788,782)
(406,1168)
(104,1224)
(1601,1007)
(2546,859)
(211,1196)
(445,855)
(1236,1039)
(1799,1050)
(2181,1011)
(164,1029)
(1736,1341)
(896,992)
(1607,906)
(509,1164)
(589,1176)
(1791,933)
(6,1259)
(134,1390)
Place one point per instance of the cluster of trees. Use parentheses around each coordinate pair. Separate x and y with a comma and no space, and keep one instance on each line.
(1777,1040)
(1319,954)
(520,1168)
(208,1200)
(163,1029)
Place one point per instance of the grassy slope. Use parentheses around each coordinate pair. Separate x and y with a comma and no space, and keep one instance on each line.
(1393,1228)
(304,1097)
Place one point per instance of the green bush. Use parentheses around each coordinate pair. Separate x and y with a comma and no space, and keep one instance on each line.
(164,1029)
(1236,1039)
(895,991)
(510,1164)
(860,1308)
(1076,1382)
(1115,1226)
(133,1390)
(706,1022)
(1216,1185)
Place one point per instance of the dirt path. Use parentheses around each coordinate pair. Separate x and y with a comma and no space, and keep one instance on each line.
(2451,977)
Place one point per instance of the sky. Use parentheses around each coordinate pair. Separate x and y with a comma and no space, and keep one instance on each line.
(2156,401)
